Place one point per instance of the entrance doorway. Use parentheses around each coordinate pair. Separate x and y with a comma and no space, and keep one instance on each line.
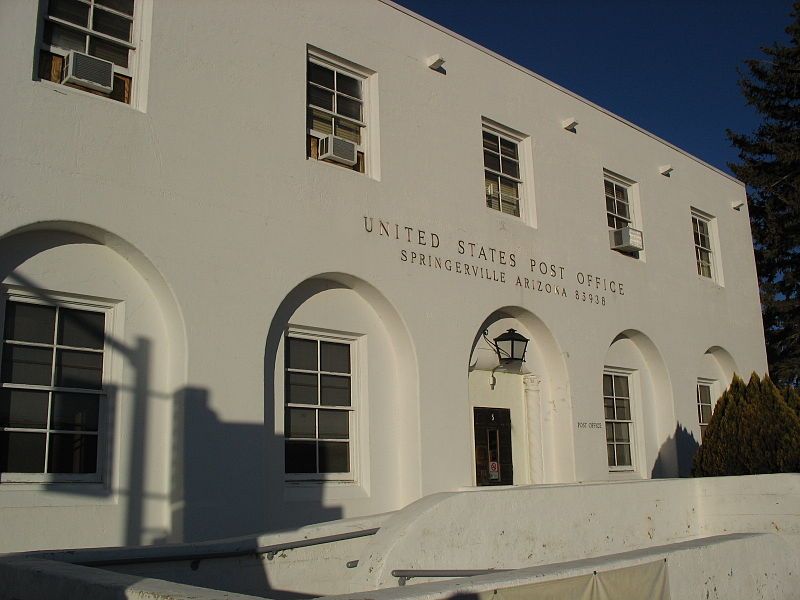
(493,460)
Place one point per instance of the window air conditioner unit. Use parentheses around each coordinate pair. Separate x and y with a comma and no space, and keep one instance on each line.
(89,72)
(338,150)
(626,239)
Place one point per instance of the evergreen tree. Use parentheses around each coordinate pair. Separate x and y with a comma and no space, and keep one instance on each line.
(754,429)
(770,166)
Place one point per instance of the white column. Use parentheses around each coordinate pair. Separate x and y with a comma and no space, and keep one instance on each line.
(533,395)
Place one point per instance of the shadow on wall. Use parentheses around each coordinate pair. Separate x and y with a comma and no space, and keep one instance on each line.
(683,443)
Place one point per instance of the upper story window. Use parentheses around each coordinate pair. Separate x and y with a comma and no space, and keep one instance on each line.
(91,44)
(502,173)
(337,110)
(319,407)
(619,421)
(624,235)
(51,391)
(703,252)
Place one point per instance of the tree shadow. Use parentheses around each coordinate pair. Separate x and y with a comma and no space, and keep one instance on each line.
(675,455)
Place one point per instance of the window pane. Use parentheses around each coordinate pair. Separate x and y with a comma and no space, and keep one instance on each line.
(320,75)
(22,452)
(621,432)
(334,357)
(348,85)
(334,457)
(704,392)
(65,38)
(622,210)
(320,121)
(509,188)
(608,405)
(334,424)
(69,10)
(76,412)
(491,161)
(490,142)
(123,6)
(319,97)
(624,455)
(621,386)
(608,385)
(509,205)
(301,388)
(623,409)
(301,354)
(300,457)
(301,423)
(30,322)
(510,167)
(23,408)
(79,369)
(609,188)
(72,453)
(621,193)
(508,148)
(23,364)
(609,432)
(81,328)
(108,51)
(612,222)
(612,460)
(348,108)
(334,390)
(114,25)
(705,412)
(347,130)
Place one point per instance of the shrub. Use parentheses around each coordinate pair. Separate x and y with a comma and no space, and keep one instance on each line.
(755,429)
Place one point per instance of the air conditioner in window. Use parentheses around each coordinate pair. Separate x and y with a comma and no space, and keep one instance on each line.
(626,239)
(338,150)
(89,72)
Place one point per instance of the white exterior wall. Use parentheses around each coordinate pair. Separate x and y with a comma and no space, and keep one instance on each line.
(212,217)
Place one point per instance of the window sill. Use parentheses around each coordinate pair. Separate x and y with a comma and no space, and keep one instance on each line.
(55,494)
(66,90)
(314,491)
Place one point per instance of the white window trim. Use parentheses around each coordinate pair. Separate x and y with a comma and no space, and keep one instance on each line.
(712,385)
(111,367)
(634,204)
(636,422)
(527,212)
(357,445)
(369,106)
(138,67)
(713,233)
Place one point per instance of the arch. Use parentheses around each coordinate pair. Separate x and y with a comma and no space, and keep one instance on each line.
(634,352)
(539,388)
(336,303)
(724,363)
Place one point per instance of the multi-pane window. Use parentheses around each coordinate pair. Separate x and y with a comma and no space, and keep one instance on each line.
(51,390)
(704,406)
(319,411)
(618,208)
(335,99)
(702,246)
(100,28)
(501,163)
(619,422)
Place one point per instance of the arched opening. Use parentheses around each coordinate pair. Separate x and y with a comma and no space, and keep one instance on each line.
(521,412)
(341,407)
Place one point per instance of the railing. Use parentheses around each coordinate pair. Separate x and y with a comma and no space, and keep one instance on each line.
(198,555)
(403,575)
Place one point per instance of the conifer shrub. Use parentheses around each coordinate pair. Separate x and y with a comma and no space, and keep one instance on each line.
(755,428)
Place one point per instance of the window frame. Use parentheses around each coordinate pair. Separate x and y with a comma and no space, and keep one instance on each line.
(714,266)
(104,428)
(367,148)
(710,384)
(633,219)
(489,171)
(354,341)
(631,422)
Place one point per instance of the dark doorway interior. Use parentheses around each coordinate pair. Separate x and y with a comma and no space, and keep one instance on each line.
(493,462)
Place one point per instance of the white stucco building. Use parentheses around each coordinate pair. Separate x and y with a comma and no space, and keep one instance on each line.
(209,330)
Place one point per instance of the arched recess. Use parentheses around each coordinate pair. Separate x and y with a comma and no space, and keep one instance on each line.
(634,356)
(54,262)
(718,364)
(535,394)
(383,433)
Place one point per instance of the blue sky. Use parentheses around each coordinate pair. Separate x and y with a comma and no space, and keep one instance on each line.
(669,67)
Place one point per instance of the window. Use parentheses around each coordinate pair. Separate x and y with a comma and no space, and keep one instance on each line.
(705,405)
(702,245)
(51,390)
(105,29)
(502,174)
(620,199)
(619,422)
(319,417)
(336,106)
